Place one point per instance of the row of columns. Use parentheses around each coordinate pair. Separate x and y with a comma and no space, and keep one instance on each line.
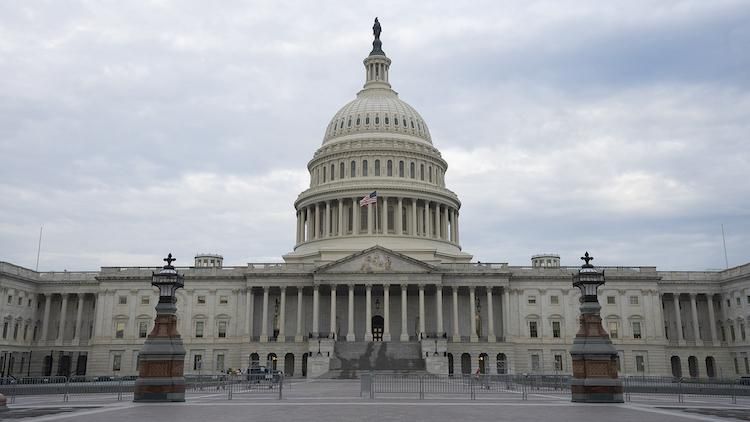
(63,317)
(315,221)
(694,316)
(350,336)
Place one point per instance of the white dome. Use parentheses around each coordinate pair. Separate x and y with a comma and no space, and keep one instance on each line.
(377,110)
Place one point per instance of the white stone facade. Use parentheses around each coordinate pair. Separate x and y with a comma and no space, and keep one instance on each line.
(393,271)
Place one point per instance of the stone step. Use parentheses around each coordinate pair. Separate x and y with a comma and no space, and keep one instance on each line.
(378,356)
(355,374)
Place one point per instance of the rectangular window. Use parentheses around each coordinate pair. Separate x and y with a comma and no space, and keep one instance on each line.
(10,299)
(610,300)
(199,329)
(736,366)
(612,325)
(558,363)
(220,362)
(640,364)
(145,300)
(556,329)
(738,301)
(197,362)
(554,300)
(116,362)
(377,167)
(122,300)
(29,304)
(142,329)
(20,301)
(25,331)
(723,334)
(747,366)
(5,329)
(633,300)
(15,332)
(120,329)
(731,333)
(748,299)
(222,329)
(223,300)
(201,300)
(636,329)
(389,168)
(400,169)
(532,300)
(533,329)
(742,332)
(535,362)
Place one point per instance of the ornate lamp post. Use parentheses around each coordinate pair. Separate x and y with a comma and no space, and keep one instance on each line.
(594,358)
(162,359)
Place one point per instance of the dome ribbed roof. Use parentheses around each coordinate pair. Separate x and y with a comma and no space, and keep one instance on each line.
(377,111)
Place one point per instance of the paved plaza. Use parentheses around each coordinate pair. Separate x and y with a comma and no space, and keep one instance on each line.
(329,400)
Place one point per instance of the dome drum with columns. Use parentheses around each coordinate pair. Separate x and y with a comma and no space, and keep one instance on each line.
(377,142)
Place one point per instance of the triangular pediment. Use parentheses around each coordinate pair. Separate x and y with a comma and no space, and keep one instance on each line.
(376,259)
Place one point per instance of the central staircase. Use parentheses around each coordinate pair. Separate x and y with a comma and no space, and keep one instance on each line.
(351,358)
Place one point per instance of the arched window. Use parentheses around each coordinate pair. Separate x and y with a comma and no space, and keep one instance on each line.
(341,171)
(502,364)
(367,119)
(364,168)
(386,120)
(404,122)
(377,167)
(421,172)
(289,364)
(333,171)
(377,119)
(353,168)
(693,366)
(710,370)
(357,120)
(676,366)
(389,170)
(412,124)
(411,170)
(395,120)
(349,123)
(400,169)
(342,124)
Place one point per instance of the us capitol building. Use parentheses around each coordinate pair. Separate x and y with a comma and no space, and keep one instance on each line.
(381,286)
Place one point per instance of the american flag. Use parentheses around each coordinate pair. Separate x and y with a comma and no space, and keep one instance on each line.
(372,198)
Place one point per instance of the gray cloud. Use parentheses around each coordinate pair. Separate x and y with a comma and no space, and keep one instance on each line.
(619,128)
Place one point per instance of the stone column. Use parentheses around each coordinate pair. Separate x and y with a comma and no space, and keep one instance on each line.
(384,216)
(308,219)
(457,237)
(298,337)
(490,317)
(437,234)
(316,311)
(327,230)
(98,321)
(78,322)
(427,231)
(421,311)
(333,311)
(264,316)
(456,331)
(505,313)
(63,318)
(386,313)
(472,298)
(694,312)
(340,222)
(446,235)
(452,217)
(249,305)
(368,313)
(399,218)
(282,315)
(678,317)
(439,308)
(413,228)
(712,318)
(350,326)
(404,332)
(355,216)
(318,221)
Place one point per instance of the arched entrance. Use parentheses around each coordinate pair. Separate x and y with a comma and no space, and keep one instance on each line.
(48,365)
(289,365)
(64,366)
(502,364)
(466,363)
(271,361)
(693,366)
(483,363)
(450,364)
(81,365)
(377,328)
(254,360)
(304,364)
(710,368)
(676,366)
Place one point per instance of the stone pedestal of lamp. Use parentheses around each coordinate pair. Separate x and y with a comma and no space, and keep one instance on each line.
(595,378)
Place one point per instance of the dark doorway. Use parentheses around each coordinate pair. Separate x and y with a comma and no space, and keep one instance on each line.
(81,365)
(304,364)
(502,367)
(272,361)
(377,328)
(466,363)
(254,360)
(483,363)
(450,363)
(710,371)
(289,364)
(676,366)
(693,366)
(63,368)
(48,365)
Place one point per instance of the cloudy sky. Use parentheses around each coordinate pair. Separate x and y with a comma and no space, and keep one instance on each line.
(130,129)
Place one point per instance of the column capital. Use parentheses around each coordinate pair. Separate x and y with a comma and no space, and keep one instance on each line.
(421,286)
(404,286)
(693,295)
(283,288)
